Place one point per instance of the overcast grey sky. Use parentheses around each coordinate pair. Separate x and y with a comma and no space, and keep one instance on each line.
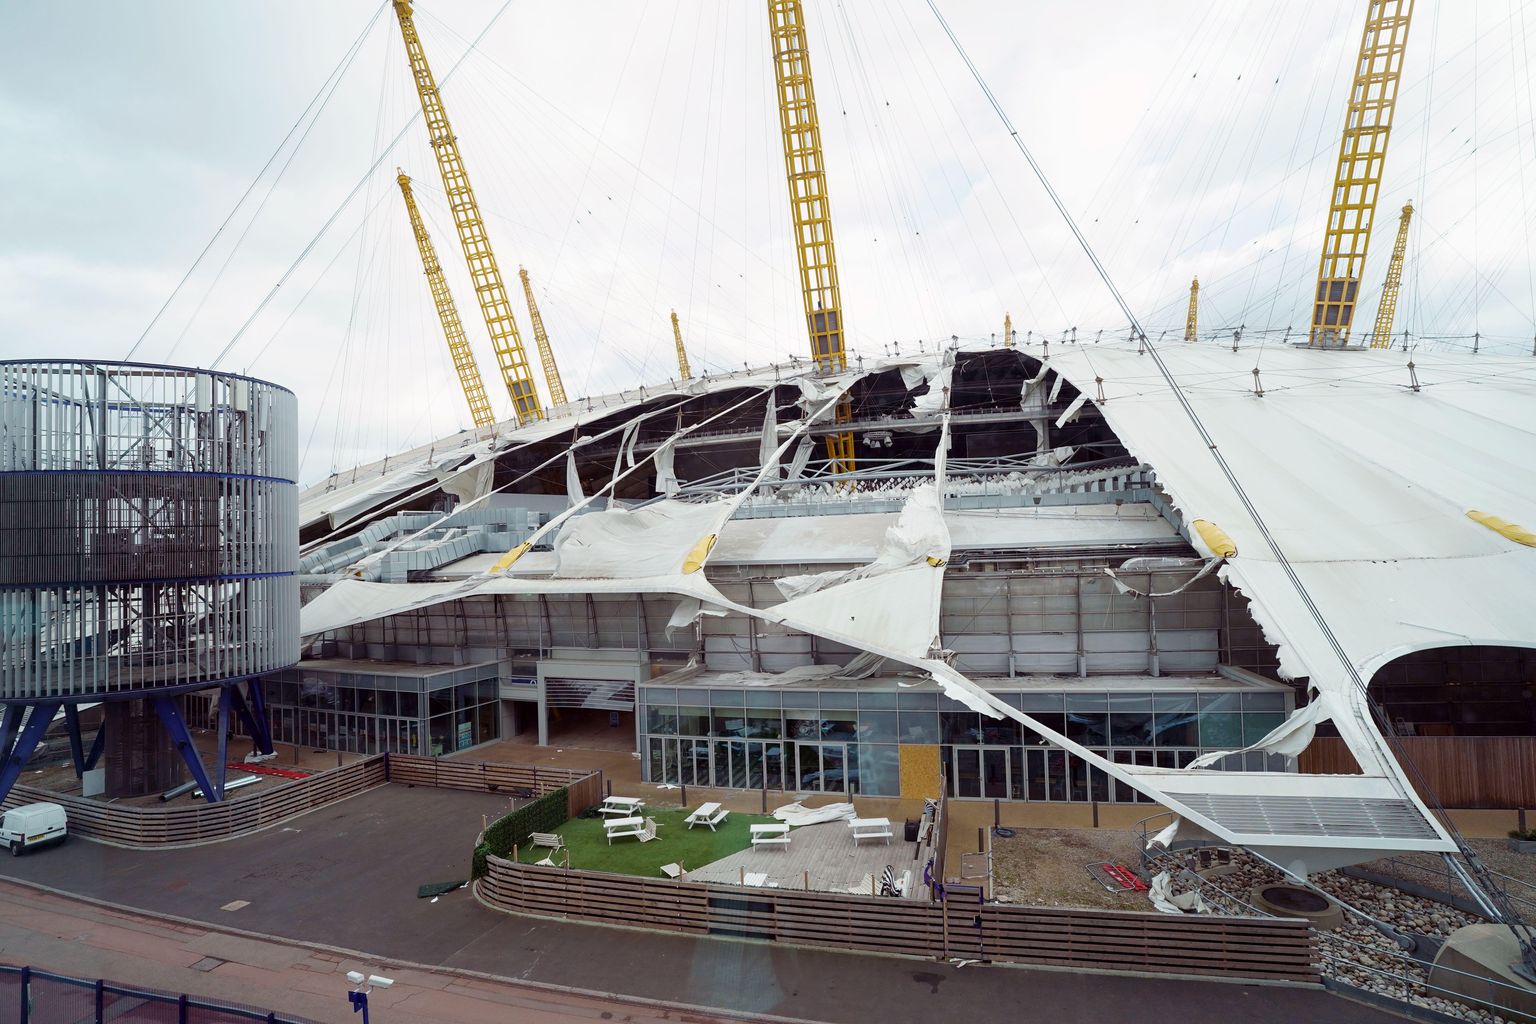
(628,154)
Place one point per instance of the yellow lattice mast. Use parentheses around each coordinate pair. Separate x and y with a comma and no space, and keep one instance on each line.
(682,353)
(808,208)
(541,339)
(483,271)
(448,313)
(1192,321)
(1008,330)
(1362,153)
(1386,312)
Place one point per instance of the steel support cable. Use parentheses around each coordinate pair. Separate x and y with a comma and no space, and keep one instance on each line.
(346,201)
(1194,418)
(1507,912)
(340,69)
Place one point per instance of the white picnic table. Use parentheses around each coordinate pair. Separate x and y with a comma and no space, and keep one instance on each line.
(625,805)
(617,828)
(708,814)
(870,828)
(770,835)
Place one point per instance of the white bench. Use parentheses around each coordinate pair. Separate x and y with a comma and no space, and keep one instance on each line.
(870,828)
(550,839)
(624,806)
(708,814)
(770,835)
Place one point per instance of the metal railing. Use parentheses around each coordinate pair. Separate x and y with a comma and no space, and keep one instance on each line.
(28,995)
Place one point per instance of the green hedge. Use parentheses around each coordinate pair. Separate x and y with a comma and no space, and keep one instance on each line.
(545,814)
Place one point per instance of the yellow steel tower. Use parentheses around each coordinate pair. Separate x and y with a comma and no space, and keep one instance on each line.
(546,354)
(808,208)
(1192,322)
(1362,152)
(483,271)
(1387,311)
(1008,330)
(448,313)
(682,353)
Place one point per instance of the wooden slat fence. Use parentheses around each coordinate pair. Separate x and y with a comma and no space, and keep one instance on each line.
(963,926)
(1461,771)
(585,787)
(186,824)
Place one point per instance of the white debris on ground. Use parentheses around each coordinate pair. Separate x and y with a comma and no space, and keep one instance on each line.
(1357,953)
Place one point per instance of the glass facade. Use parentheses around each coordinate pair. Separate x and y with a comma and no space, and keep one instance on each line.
(438,711)
(845,741)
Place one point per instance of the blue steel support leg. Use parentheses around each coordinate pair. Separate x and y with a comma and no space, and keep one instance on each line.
(16,758)
(97,745)
(10,723)
(76,747)
(255,727)
(263,734)
(176,726)
(224,702)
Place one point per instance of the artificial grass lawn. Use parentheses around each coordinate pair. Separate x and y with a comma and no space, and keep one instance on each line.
(675,843)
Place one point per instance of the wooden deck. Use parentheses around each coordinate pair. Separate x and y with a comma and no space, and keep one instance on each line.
(822,858)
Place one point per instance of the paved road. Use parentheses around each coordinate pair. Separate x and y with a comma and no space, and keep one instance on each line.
(347,875)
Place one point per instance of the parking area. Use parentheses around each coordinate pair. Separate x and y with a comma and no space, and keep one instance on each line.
(341,875)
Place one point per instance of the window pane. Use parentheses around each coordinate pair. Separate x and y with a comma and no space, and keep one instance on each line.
(839,725)
(763,727)
(959,727)
(846,699)
(692,721)
(1130,729)
(919,727)
(1220,701)
(1266,701)
(877,727)
(917,701)
(1087,729)
(879,770)
(662,720)
(880,701)
(762,698)
(729,722)
(1001,732)
(1032,702)
(797,728)
(1176,729)
(1257,726)
(1219,731)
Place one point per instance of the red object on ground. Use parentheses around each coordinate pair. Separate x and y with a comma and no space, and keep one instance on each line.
(1126,877)
(262,769)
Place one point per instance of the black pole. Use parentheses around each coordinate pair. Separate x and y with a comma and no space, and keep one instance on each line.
(101,1001)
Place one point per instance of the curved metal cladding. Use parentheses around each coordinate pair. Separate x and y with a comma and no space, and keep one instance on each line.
(148,529)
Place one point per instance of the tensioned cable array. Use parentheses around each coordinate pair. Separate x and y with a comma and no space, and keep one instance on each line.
(1493,891)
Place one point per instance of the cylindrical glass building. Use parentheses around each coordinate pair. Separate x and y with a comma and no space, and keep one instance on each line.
(148,534)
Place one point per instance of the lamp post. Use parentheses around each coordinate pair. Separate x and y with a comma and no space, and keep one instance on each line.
(357,995)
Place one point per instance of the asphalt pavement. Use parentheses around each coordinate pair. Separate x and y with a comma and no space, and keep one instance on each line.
(346,876)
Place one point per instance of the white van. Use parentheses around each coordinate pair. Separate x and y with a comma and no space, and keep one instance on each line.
(32,825)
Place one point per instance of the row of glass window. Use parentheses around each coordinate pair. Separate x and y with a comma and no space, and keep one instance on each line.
(873,769)
(1119,728)
(886,700)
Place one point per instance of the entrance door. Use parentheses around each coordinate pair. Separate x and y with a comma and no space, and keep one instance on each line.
(994,772)
(986,773)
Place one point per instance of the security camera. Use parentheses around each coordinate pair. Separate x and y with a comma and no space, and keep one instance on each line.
(378,981)
(355,977)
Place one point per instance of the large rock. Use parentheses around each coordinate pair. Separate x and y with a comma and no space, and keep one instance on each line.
(1475,963)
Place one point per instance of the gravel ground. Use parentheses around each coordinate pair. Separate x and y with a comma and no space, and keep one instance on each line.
(1048,867)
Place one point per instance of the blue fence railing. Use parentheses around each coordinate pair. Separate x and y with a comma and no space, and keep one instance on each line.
(30,996)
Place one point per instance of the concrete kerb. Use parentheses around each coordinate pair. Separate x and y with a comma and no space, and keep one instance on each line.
(389,963)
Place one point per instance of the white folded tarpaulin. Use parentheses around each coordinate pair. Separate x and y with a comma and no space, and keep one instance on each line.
(797,814)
